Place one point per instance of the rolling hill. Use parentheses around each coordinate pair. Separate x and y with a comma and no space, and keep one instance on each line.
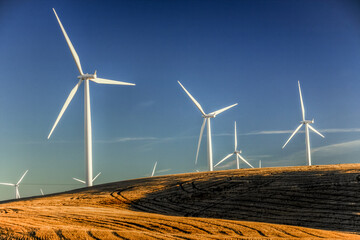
(268,203)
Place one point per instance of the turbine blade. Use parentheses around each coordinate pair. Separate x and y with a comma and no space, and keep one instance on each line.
(316,131)
(302,104)
(153,171)
(72,49)
(193,99)
(223,109)
(96,176)
(201,133)
(42,193)
(224,159)
(8,184)
(235,138)
(68,100)
(113,82)
(22,177)
(245,160)
(76,179)
(296,130)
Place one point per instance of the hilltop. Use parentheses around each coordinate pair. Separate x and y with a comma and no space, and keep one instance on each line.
(285,202)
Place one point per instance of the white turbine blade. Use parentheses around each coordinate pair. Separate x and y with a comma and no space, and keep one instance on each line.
(153,171)
(42,193)
(96,176)
(193,99)
(22,177)
(245,160)
(201,133)
(113,82)
(235,138)
(224,159)
(302,104)
(8,184)
(316,131)
(68,100)
(72,49)
(223,109)
(296,130)
(76,179)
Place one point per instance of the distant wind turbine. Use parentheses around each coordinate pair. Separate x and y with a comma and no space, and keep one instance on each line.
(82,181)
(41,191)
(207,118)
(87,111)
(17,193)
(307,126)
(259,163)
(236,153)
(153,171)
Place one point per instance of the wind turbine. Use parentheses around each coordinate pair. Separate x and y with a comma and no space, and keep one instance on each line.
(236,153)
(82,181)
(153,171)
(87,112)
(41,191)
(17,193)
(207,118)
(307,126)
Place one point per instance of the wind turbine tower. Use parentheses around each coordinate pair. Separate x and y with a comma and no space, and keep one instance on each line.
(307,127)
(16,185)
(207,118)
(87,111)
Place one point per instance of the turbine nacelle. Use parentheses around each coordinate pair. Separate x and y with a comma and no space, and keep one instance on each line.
(210,115)
(307,121)
(237,151)
(87,76)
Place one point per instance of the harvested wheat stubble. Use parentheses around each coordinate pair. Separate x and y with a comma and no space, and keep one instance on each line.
(268,203)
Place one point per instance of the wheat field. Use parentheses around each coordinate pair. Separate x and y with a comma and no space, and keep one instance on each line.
(268,203)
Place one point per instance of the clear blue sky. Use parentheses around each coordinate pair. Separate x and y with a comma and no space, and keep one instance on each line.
(224,52)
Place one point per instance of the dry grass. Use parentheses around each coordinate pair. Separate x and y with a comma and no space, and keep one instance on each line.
(269,203)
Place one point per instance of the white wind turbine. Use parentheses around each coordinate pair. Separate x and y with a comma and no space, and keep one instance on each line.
(17,193)
(207,118)
(87,112)
(307,126)
(153,171)
(82,181)
(236,153)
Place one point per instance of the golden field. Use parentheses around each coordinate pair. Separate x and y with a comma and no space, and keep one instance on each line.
(268,203)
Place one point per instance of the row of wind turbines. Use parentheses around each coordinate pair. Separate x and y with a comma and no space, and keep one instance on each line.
(86,77)
(236,152)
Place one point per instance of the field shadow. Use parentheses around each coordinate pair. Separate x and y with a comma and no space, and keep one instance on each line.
(328,200)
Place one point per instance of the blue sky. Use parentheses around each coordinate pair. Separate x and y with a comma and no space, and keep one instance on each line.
(224,52)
